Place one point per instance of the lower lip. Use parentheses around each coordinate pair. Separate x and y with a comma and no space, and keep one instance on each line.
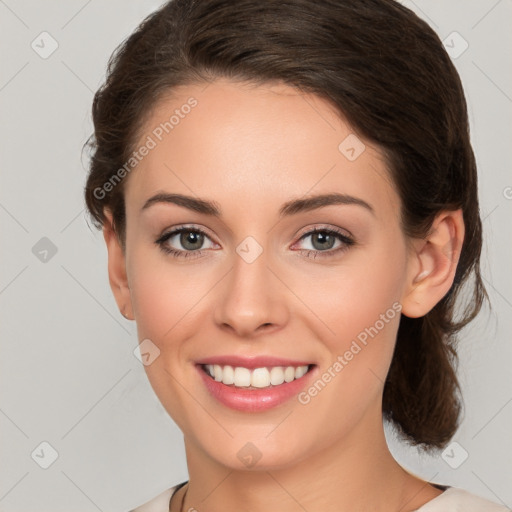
(255,400)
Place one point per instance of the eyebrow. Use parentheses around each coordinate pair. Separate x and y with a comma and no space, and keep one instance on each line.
(289,208)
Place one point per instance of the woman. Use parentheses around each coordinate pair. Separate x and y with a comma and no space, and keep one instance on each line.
(288,195)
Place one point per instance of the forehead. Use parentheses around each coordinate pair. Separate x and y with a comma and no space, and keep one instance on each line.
(239,143)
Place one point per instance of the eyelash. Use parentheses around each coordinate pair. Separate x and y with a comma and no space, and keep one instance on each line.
(310,253)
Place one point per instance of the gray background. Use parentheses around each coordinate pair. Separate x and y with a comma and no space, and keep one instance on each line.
(68,373)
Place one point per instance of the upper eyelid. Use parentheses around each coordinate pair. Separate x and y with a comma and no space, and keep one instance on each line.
(320,227)
(184,227)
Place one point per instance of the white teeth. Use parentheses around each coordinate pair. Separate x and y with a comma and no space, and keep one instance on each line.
(257,378)
(228,375)
(217,373)
(289,373)
(276,375)
(300,371)
(242,377)
(260,378)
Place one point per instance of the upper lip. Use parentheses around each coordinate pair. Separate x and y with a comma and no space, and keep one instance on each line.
(252,362)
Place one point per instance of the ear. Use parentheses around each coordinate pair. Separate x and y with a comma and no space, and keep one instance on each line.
(432,264)
(117,268)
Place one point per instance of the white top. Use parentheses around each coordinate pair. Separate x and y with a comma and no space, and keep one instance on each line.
(452,499)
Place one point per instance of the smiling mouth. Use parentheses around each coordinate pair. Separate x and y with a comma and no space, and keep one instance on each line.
(256,378)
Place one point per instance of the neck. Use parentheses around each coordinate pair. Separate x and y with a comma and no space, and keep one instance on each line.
(351,475)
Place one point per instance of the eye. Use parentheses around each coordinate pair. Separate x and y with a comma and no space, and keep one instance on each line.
(191,239)
(323,242)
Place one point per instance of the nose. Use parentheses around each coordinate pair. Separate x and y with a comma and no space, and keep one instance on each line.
(251,300)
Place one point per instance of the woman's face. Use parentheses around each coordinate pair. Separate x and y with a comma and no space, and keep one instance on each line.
(258,282)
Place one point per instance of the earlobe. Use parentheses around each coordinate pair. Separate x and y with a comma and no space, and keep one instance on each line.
(433,263)
(117,268)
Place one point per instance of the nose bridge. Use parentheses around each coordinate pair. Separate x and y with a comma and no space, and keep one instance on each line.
(250,297)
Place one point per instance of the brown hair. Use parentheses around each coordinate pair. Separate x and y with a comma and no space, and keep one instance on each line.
(387,73)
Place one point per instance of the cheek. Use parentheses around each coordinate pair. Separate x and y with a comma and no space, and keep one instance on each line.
(359,306)
(167,297)
(166,302)
(160,298)
(355,295)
